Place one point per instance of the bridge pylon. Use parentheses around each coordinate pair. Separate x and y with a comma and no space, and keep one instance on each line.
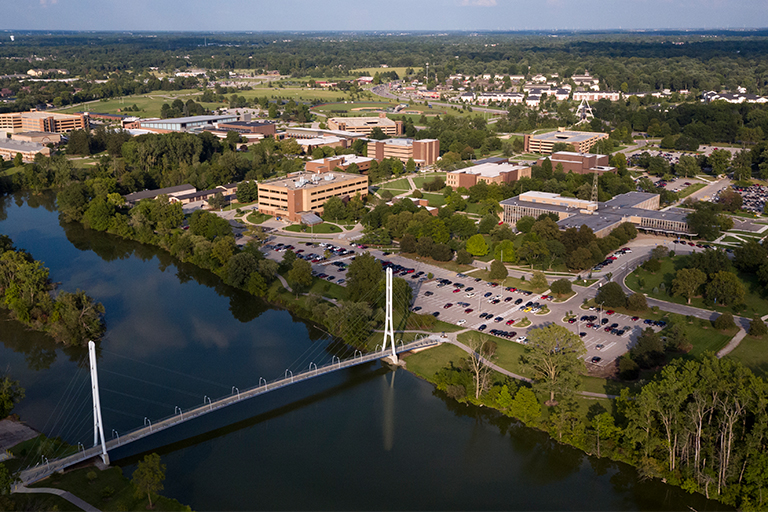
(98,423)
(389,325)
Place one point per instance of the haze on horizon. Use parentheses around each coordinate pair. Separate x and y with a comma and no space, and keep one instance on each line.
(394,15)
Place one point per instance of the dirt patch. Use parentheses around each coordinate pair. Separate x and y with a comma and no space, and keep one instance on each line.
(13,432)
(609,371)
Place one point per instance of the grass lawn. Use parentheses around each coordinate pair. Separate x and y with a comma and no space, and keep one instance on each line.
(585,282)
(435,199)
(420,180)
(42,502)
(427,363)
(11,171)
(447,265)
(753,353)
(508,352)
(356,108)
(121,496)
(756,303)
(372,71)
(564,297)
(691,189)
(746,215)
(328,289)
(320,228)
(149,104)
(235,206)
(751,234)
(401,184)
(258,218)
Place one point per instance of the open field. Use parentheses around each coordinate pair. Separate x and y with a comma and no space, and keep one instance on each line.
(420,180)
(754,297)
(372,71)
(149,104)
(753,353)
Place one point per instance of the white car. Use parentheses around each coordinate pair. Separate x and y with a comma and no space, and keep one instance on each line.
(461,322)
(470,294)
(522,339)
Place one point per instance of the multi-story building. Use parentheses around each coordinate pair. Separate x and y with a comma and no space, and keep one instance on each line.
(300,195)
(39,137)
(248,126)
(34,121)
(492,172)
(581,142)
(596,95)
(9,148)
(340,162)
(367,124)
(638,208)
(423,152)
(579,163)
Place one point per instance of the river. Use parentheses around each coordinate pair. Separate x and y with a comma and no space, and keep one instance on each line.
(364,438)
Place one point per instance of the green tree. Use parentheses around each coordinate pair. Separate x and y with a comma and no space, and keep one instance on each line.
(561,287)
(363,275)
(334,208)
(554,357)
(719,160)
(724,322)
(148,477)
(498,270)
(481,353)
(476,245)
(525,224)
(611,295)
(11,393)
(463,257)
(525,406)
(637,302)
(77,319)
(539,280)
(300,275)
(757,327)
(687,282)
(240,268)
(725,288)
(604,427)
(247,191)
(505,251)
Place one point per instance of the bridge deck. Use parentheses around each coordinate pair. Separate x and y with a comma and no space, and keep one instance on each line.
(39,472)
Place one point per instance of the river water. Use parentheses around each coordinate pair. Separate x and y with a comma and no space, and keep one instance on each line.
(363,438)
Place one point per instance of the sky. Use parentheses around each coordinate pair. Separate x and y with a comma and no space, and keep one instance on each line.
(395,15)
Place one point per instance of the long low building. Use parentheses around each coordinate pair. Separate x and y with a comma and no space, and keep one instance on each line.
(185,124)
(9,148)
(581,142)
(366,125)
(302,195)
(178,190)
(638,208)
(579,163)
(492,172)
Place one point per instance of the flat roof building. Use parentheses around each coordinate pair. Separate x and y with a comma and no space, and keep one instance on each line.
(304,193)
(263,127)
(423,152)
(185,124)
(491,172)
(579,163)
(9,148)
(366,125)
(638,208)
(39,137)
(342,162)
(581,142)
(34,121)
(177,190)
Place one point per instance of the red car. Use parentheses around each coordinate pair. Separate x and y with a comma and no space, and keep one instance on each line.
(447,305)
(610,312)
(510,322)
(635,318)
(468,310)
(456,290)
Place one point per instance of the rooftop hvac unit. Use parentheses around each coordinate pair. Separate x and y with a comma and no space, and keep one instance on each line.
(300,183)
(315,178)
(329,177)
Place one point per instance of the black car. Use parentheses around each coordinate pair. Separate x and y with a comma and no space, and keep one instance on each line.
(604,321)
(436,314)
(518,302)
(487,295)
(482,327)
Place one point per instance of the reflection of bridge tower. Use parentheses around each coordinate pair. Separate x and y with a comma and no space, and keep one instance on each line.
(389,325)
(98,424)
(584,112)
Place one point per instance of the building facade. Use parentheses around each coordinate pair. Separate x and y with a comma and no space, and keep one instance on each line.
(9,148)
(579,163)
(366,125)
(39,137)
(18,122)
(342,162)
(494,172)
(302,193)
(581,142)
(423,152)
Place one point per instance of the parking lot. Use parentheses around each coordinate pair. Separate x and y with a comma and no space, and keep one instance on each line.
(753,197)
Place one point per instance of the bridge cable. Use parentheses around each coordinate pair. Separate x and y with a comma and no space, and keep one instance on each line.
(177,390)
(170,407)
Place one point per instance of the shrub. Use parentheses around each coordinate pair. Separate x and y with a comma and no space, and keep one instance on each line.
(757,327)
(441,252)
(498,270)
(652,265)
(463,257)
(417,194)
(637,302)
(457,392)
(724,322)
(561,287)
(539,280)
(611,295)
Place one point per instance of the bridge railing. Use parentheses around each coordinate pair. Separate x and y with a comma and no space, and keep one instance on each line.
(39,472)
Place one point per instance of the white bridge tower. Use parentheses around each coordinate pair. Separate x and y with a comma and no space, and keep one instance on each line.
(98,424)
(389,325)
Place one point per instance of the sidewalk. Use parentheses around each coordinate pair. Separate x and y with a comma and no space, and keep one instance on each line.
(58,492)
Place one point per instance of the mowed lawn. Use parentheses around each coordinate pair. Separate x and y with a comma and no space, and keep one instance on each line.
(428,362)
(754,297)
(420,180)
(753,353)
(401,184)
(149,104)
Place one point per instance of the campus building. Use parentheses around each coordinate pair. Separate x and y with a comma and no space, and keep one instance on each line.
(342,162)
(638,208)
(492,172)
(300,197)
(34,121)
(265,128)
(423,152)
(9,148)
(366,125)
(178,190)
(579,163)
(185,124)
(581,142)
(39,137)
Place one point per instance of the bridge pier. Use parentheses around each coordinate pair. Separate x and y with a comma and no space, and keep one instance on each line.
(393,361)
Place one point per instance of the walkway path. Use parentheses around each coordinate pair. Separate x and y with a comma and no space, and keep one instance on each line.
(732,344)
(285,283)
(58,492)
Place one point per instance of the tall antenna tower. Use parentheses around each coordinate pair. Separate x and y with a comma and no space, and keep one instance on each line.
(584,111)
(594,189)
